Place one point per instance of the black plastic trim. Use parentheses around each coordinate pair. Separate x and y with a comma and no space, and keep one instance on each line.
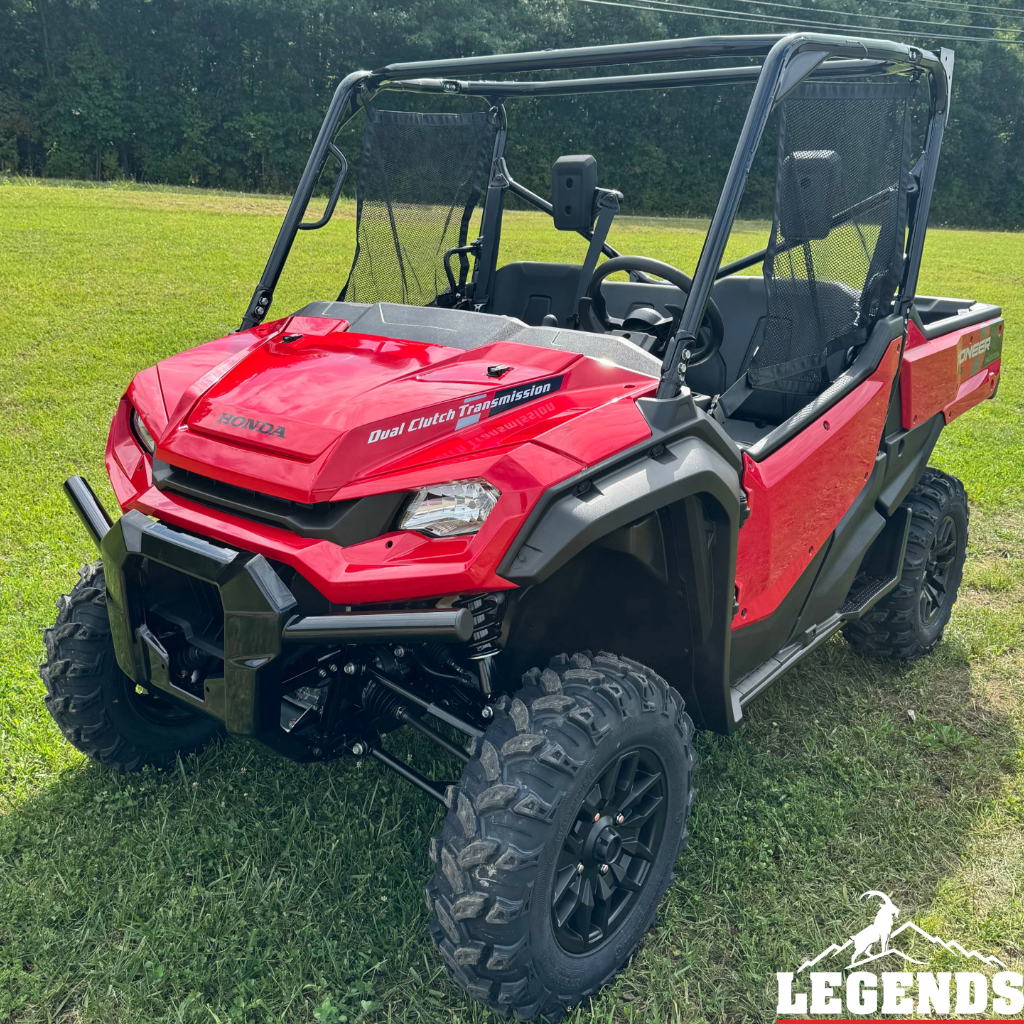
(341,522)
(574,521)
(454,624)
(256,606)
(885,557)
(630,474)
(907,453)
(962,313)
(689,473)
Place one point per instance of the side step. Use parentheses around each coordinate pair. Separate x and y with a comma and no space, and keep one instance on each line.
(873,588)
(759,679)
(870,590)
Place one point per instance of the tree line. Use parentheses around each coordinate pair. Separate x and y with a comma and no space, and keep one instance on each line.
(231,93)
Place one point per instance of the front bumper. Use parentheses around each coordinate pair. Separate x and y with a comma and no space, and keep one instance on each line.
(256,606)
(259,615)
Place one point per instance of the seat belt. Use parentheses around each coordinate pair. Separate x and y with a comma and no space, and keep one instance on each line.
(728,402)
(606,203)
(725,404)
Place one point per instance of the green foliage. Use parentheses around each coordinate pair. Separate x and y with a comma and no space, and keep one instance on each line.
(230,93)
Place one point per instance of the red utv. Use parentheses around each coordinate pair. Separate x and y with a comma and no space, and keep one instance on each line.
(439,499)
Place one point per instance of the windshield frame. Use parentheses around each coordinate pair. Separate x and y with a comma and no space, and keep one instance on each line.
(787,61)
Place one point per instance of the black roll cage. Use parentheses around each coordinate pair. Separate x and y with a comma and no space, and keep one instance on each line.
(787,61)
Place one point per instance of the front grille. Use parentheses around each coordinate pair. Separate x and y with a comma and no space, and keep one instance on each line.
(341,522)
(184,615)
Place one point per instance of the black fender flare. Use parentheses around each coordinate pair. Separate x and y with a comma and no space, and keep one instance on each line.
(580,512)
(695,491)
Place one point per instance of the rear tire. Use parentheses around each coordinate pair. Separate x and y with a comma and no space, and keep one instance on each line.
(588,766)
(909,621)
(98,708)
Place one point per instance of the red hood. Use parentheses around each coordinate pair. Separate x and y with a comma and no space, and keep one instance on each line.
(304,418)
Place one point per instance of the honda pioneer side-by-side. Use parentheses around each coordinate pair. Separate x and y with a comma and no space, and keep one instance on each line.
(533,512)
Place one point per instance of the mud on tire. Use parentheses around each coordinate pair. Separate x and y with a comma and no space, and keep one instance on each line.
(540,776)
(909,621)
(97,706)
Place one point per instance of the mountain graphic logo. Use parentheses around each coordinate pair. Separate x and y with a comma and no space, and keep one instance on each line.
(875,941)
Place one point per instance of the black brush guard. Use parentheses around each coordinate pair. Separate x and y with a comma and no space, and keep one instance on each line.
(260,618)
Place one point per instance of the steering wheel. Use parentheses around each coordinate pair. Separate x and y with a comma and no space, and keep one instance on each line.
(712,328)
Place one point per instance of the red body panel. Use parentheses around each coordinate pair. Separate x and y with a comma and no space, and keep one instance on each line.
(798,494)
(305,420)
(312,420)
(947,374)
(309,421)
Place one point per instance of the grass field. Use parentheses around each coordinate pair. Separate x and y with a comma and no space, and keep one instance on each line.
(243,888)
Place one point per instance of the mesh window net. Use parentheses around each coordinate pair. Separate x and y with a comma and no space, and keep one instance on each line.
(420,180)
(835,254)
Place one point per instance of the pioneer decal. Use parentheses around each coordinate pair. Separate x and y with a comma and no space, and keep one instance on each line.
(248,423)
(471,410)
(979,349)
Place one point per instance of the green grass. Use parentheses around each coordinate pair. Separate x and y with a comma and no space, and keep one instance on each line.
(244,888)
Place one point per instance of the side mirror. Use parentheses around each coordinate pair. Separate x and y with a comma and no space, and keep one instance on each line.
(810,194)
(573,189)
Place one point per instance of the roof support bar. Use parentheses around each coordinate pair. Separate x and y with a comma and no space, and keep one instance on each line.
(613,83)
(343,107)
(584,57)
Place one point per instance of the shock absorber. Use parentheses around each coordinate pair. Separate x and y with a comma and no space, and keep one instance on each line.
(487,610)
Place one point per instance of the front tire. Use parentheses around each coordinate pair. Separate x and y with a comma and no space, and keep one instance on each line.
(98,708)
(909,621)
(562,835)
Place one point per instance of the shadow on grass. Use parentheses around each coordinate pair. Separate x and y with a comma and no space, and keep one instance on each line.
(243,888)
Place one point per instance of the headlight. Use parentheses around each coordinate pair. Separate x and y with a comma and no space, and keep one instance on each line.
(449,510)
(142,435)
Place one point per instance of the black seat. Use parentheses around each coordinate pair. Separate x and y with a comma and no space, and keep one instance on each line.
(742,302)
(530,291)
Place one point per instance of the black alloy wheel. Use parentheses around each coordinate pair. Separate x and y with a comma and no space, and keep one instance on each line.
(608,852)
(562,835)
(941,559)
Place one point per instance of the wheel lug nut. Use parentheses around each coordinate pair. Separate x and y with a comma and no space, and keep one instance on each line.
(619,819)
(487,713)
(579,869)
(350,668)
(603,869)
(358,749)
